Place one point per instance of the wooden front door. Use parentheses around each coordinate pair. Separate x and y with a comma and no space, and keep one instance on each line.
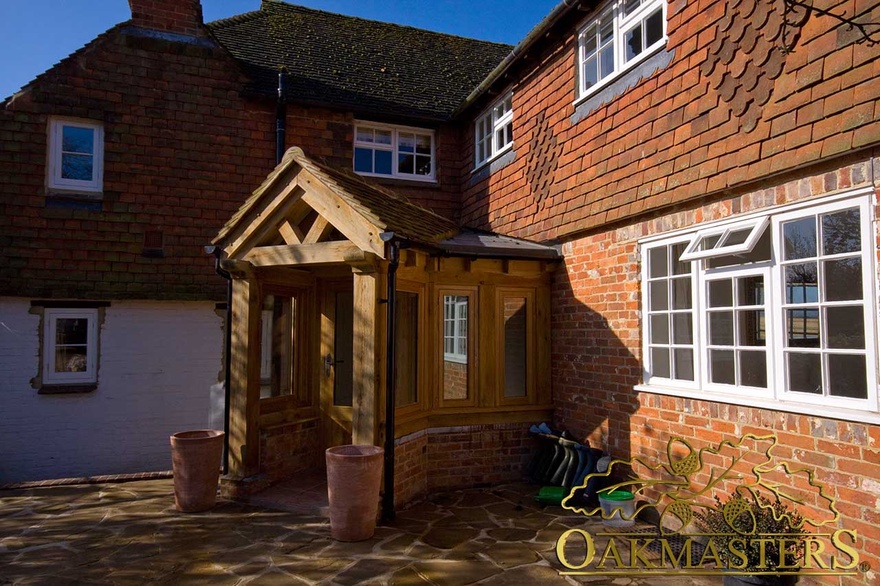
(336,364)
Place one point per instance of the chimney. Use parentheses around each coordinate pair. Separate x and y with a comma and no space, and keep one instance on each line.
(182,17)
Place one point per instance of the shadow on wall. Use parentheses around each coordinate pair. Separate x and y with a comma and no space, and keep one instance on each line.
(593,370)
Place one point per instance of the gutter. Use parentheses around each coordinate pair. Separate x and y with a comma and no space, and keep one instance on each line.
(521,48)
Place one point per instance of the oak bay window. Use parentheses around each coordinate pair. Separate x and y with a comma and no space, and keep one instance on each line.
(788,319)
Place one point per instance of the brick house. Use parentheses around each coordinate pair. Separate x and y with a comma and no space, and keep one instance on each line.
(708,168)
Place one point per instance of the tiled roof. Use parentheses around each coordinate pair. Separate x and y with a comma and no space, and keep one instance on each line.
(366,66)
(386,210)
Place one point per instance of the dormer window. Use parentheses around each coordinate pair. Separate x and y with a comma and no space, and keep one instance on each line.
(382,150)
(493,131)
(622,34)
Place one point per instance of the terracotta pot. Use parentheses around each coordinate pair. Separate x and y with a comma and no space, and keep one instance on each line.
(354,475)
(195,460)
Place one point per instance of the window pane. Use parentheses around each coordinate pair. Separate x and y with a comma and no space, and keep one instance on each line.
(841,232)
(801,284)
(589,41)
(406,348)
(752,328)
(654,28)
(843,279)
(805,373)
(364,135)
(657,265)
(721,293)
(629,6)
(363,160)
(423,165)
(277,356)
(721,365)
(633,42)
(659,293)
(681,293)
(406,143)
(660,329)
(679,267)
(71,330)
(383,162)
(802,328)
(606,27)
(78,140)
(455,359)
(682,328)
(660,362)
(760,252)
(845,327)
(708,242)
(406,164)
(78,167)
(70,359)
(737,236)
(591,71)
(847,376)
(606,61)
(721,328)
(423,144)
(753,369)
(750,290)
(383,137)
(800,238)
(684,363)
(515,347)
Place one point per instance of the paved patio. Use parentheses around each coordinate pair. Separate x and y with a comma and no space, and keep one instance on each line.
(130,533)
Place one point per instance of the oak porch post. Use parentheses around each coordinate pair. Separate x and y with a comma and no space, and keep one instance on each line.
(363,425)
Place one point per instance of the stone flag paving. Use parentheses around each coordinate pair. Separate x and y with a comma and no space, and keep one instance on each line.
(130,533)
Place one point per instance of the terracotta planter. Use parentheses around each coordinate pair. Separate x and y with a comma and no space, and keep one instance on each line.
(195,460)
(354,475)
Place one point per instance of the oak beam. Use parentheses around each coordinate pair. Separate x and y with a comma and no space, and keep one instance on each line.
(365,385)
(304,254)
(244,382)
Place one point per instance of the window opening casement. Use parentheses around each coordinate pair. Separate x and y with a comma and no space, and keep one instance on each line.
(788,321)
(70,346)
(493,131)
(394,151)
(622,34)
(76,156)
(736,239)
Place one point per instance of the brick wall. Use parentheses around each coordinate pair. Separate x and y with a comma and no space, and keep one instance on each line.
(455,380)
(477,455)
(596,356)
(157,365)
(290,448)
(410,467)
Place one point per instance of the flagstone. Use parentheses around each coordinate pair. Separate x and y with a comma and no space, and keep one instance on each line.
(449,537)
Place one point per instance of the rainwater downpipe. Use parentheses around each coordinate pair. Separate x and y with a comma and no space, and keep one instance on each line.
(280,118)
(227,351)
(393,247)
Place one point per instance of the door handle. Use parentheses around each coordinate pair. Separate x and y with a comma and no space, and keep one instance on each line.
(328,364)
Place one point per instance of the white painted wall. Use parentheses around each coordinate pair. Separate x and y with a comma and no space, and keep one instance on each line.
(157,365)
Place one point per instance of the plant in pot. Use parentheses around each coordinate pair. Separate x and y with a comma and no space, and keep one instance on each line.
(758,540)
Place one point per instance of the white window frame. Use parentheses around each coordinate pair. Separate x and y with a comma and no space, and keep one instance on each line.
(50,324)
(775,396)
(490,131)
(55,155)
(394,149)
(459,321)
(756,227)
(621,26)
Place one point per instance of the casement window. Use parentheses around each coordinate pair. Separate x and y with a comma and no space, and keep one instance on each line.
(76,156)
(493,131)
(621,34)
(455,328)
(787,320)
(70,346)
(394,151)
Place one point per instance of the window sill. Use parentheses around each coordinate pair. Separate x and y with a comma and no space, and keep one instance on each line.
(67,389)
(394,179)
(823,411)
